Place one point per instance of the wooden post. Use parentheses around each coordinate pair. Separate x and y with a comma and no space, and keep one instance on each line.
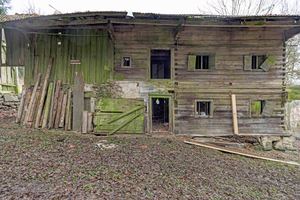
(63,111)
(84,122)
(68,110)
(90,127)
(21,107)
(43,94)
(52,102)
(57,117)
(234,115)
(56,95)
(32,98)
(78,100)
(47,106)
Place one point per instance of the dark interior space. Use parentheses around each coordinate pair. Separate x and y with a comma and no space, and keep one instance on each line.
(160,64)
(160,114)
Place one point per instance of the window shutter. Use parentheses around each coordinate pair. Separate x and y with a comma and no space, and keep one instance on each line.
(212,61)
(248,62)
(255,108)
(191,63)
(268,63)
(268,109)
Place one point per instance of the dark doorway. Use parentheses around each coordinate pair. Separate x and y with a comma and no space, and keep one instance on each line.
(160,64)
(160,114)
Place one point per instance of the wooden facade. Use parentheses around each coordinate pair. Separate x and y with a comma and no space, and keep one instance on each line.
(101,41)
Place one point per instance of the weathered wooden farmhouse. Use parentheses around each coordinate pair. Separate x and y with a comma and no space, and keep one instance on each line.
(190,75)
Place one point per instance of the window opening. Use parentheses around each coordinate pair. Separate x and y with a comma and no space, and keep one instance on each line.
(257,61)
(126,61)
(160,114)
(160,64)
(203,108)
(257,107)
(202,62)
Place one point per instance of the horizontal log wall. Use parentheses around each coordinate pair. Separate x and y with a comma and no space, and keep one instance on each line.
(230,45)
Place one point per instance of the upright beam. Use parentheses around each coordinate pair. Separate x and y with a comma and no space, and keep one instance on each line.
(234,115)
(78,100)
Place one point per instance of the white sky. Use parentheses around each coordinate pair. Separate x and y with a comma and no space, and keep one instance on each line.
(68,6)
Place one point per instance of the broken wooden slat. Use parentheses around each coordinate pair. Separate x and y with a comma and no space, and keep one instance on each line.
(43,94)
(78,100)
(90,122)
(57,117)
(56,95)
(52,102)
(21,107)
(234,114)
(239,153)
(68,110)
(84,122)
(47,106)
(92,104)
(63,111)
(32,98)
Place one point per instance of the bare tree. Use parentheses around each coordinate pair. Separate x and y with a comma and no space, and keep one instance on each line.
(239,7)
(29,8)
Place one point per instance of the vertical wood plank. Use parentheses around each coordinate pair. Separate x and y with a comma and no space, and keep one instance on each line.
(47,106)
(92,104)
(55,102)
(28,95)
(32,99)
(92,71)
(63,111)
(78,100)
(33,110)
(52,102)
(43,93)
(99,58)
(57,117)
(84,122)
(90,122)
(234,114)
(68,110)
(22,101)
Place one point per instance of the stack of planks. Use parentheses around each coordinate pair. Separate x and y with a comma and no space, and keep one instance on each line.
(47,106)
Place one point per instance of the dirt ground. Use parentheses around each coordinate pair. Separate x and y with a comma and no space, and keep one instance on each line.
(53,164)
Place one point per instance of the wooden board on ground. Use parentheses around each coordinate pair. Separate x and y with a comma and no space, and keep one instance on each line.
(57,117)
(63,111)
(43,94)
(78,100)
(56,95)
(21,107)
(239,153)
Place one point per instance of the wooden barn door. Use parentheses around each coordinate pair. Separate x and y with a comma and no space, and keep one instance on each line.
(119,116)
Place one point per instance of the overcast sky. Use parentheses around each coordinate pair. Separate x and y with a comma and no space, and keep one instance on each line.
(68,6)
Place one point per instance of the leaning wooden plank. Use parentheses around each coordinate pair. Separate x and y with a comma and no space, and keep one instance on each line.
(68,110)
(78,100)
(57,117)
(122,125)
(52,102)
(21,107)
(234,115)
(69,127)
(28,95)
(47,106)
(33,110)
(56,95)
(90,122)
(30,106)
(43,94)
(84,122)
(237,152)
(63,111)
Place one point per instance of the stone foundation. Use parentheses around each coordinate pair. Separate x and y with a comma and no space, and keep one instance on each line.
(9,101)
(285,144)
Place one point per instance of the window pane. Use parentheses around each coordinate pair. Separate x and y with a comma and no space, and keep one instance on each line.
(205,62)
(160,64)
(126,61)
(254,62)
(198,62)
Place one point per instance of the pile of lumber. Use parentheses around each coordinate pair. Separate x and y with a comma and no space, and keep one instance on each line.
(47,106)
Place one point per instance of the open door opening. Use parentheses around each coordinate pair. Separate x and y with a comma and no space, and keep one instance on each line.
(160,114)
